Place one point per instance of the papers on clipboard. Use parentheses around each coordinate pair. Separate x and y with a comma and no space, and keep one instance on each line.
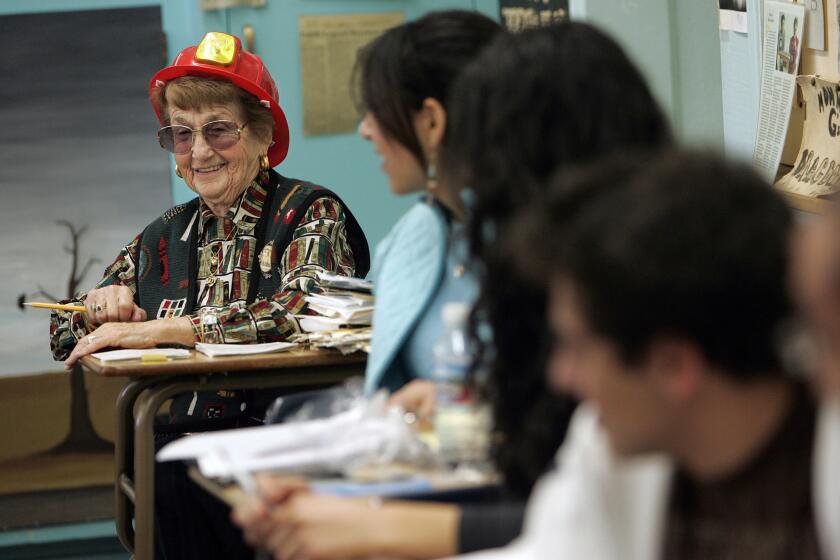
(144,354)
(213,350)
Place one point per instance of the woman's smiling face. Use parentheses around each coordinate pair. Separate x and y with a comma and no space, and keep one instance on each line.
(218,176)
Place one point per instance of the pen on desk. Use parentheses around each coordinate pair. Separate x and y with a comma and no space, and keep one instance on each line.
(57,306)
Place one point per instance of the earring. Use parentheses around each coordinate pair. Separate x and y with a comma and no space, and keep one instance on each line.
(264,165)
(431,173)
(178,172)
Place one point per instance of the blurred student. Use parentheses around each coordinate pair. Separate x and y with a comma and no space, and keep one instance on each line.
(668,301)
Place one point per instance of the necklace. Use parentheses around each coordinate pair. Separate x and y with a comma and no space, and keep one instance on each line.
(215,257)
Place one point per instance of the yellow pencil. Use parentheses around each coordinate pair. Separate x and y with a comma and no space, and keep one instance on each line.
(58,306)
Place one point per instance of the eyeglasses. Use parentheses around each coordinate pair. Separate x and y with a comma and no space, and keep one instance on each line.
(219,135)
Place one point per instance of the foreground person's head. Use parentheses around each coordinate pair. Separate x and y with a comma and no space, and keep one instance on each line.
(668,285)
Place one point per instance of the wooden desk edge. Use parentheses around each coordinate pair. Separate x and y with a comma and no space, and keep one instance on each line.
(199,364)
(807,203)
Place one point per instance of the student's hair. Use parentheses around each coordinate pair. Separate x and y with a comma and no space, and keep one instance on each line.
(414,61)
(681,244)
(530,103)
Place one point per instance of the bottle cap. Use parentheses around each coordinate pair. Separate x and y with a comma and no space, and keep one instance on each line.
(455,314)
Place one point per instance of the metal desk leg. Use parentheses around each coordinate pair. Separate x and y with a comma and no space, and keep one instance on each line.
(123,455)
(144,461)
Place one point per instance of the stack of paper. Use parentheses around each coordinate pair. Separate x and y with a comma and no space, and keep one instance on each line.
(214,350)
(343,302)
(348,308)
(345,341)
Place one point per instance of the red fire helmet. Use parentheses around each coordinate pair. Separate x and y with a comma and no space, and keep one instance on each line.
(220,55)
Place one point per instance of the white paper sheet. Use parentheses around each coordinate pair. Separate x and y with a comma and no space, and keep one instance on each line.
(133,354)
(214,350)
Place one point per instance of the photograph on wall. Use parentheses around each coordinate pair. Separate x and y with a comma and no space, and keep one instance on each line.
(788,42)
(733,15)
(517,15)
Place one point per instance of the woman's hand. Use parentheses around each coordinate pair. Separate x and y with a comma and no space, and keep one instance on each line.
(112,304)
(252,513)
(311,526)
(147,334)
(418,397)
(323,527)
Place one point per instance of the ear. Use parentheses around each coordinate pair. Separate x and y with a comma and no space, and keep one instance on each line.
(430,124)
(677,367)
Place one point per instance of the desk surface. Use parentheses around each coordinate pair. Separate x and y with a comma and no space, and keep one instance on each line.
(199,364)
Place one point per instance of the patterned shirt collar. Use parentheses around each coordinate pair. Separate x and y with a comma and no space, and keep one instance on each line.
(245,211)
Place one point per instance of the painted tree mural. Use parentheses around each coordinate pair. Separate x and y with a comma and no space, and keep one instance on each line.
(81,437)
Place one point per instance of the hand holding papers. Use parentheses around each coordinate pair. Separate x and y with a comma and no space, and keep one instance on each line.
(369,433)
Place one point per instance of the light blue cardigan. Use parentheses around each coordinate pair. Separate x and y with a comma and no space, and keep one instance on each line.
(407,271)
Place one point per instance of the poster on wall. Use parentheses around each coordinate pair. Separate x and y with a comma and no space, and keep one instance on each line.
(517,15)
(816,172)
(328,47)
(782,45)
(733,15)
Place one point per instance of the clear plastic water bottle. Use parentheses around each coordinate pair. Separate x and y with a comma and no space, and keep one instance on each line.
(461,422)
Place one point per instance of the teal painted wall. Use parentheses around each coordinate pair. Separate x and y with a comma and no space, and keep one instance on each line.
(676,45)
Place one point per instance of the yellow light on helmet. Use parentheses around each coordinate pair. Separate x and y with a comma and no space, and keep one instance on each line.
(216,48)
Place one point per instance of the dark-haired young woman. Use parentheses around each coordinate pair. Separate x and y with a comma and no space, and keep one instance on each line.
(530,103)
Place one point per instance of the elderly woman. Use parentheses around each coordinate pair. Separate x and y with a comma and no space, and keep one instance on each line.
(233,264)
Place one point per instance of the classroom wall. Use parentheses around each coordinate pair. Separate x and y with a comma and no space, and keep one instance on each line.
(674,43)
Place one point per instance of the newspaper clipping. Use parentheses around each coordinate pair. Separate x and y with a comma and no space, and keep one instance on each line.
(783,26)
(816,172)
(328,47)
